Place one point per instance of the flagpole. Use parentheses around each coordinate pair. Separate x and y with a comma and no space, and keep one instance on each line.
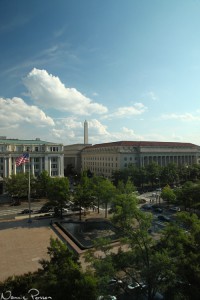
(29,189)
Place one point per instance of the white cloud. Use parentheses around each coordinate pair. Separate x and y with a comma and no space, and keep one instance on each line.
(152,96)
(127,111)
(48,91)
(182,117)
(16,111)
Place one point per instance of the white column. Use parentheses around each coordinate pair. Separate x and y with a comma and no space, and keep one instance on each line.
(46,163)
(41,165)
(49,166)
(9,166)
(5,167)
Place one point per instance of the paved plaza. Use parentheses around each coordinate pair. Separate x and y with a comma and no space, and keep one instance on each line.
(22,245)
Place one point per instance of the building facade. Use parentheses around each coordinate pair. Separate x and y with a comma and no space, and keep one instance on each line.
(72,157)
(103,159)
(43,156)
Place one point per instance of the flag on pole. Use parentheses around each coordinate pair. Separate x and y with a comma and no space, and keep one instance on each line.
(22,159)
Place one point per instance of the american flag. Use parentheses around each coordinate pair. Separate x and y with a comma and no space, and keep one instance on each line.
(22,159)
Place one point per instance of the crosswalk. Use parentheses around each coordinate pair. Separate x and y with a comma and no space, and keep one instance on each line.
(17,210)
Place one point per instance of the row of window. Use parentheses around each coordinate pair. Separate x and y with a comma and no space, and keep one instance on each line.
(100,158)
(5,148)
(100,164)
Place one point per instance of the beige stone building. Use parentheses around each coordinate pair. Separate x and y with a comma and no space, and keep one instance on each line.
(103,159)
(72,156)
(43,156)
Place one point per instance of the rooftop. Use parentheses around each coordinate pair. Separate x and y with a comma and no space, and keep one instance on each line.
(37,141)
(143,144)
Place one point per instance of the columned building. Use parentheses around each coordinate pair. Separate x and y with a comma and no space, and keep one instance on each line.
(43,156)
(103,159)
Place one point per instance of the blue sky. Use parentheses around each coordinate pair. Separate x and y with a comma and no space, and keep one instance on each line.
(129,67)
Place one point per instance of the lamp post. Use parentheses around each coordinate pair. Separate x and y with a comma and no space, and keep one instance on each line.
(29,187)
(158,195)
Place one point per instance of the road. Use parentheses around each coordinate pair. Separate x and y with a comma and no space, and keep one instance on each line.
(10,212)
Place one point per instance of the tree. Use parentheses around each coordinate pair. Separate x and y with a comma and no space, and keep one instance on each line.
(182,241)
(58,192)
(42,183)
(153,172)
(83,195)
(60,277)
(169,174)
(140,262)
(168,195)
(17,185)
(107,192)
(103,190)
(125,188)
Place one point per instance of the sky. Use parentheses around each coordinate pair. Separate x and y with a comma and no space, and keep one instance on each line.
(131,68)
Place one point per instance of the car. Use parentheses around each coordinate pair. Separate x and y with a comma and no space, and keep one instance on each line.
(26,211)
(158,209)
(65,210)
(108,297)
(175,209)
(77,208)
(15,203)
(44,210)
(164,218)
(133,286)
(157,296)
(114,281)
(147,206)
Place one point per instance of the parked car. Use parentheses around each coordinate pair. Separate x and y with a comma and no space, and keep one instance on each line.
(26,211)
(133,286)
(158,209)
(114,281)
(108,297)
(15,203)
(164,218)
(175,209)
(147,206)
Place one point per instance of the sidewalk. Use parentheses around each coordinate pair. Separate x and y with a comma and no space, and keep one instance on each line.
(22,245)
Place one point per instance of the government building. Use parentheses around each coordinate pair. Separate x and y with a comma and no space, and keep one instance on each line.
(42,156)
(103,159)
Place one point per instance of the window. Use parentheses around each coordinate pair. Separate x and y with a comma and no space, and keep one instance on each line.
(54,149)
(54,159)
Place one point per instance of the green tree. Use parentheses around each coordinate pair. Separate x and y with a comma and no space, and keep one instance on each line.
(60,277)
(17,185)
(103,190)
(182,241)
(153,172)
(58,192)
(107,192)
(169,174)
(141,262)
(168,194)
(189,195)
(42,183)
(83,195)
(125,188)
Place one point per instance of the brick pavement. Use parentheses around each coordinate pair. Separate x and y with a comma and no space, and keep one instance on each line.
(22,245)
